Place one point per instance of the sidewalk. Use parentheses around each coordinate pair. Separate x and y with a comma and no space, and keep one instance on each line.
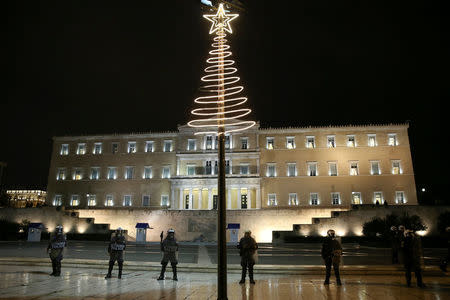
(33,282)
(206,267)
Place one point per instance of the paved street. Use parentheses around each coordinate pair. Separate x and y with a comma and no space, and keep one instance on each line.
(31,282)
(291,254)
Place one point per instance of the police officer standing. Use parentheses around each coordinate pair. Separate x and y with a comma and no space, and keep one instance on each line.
(395,244)
(444,263)
(115,249)
(413,256)
(55,249)
(331,254)
(169,247)
(247,247)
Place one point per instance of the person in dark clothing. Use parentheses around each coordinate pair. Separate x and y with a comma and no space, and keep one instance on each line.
(55,249)
(331,254)
(115,249)
(413,256)
(170,248)
(395,244)
(247,247)
(444,263)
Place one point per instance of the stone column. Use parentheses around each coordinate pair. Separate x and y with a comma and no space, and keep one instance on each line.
(191,199)
(258,197)
(229,198)
(181,198)
(200,198)
(210,198)
(172,198)
(249,198)
(239,203)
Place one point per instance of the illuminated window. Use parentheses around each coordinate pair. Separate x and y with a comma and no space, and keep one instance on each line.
(291,169)
(270,143)
(147,172)
(216,167)
(77,174)
(74,200)
(331,141)
(400,197)
(310,142)
(57,200)
(191,146)
(165,200)
(227,142)
(167,146)
(378,198)
(95,173)
(112,173)
(209,142)
(109,201)
(351,141)
(131,147)
(293,200)
(208,167)
(271,170)
(190,170)
(356,198)
(392,139)
(335,198)
(127,200)
(312,169)
(146,200)
(354,168)
(244,169)
(92,200)
(64,149)
(290,142)
(166,172)
(272,200)
(375,168)
(129,172)
(314,199)
(332,168)
(227,167)
(149,146)
(396,168)
(97,148)
(244,143)
(114,147)
(371,140)
(61,174)
(81,149)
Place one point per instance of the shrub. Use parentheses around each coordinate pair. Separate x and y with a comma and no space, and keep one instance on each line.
(443,221)
(382,226)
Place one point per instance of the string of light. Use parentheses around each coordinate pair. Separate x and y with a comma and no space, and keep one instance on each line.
(221,103)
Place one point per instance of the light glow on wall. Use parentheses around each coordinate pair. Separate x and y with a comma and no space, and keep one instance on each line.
(220,104)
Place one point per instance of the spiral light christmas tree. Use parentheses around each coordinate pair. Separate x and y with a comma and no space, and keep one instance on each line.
(220,113)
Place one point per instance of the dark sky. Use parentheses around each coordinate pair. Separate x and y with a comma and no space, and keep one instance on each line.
(90,67)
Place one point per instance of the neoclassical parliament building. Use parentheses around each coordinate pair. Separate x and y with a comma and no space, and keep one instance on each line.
(267,168)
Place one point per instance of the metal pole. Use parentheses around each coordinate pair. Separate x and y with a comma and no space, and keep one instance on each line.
(222,209)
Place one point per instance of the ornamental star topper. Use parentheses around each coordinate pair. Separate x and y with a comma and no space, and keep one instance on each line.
(221,20)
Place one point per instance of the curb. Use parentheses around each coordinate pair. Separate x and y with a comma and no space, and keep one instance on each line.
(232,268)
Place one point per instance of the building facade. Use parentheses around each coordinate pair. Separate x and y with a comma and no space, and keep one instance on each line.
(267,168)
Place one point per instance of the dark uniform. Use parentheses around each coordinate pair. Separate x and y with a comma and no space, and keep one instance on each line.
(331,254)
(446,260)
(55,249)
(396,239)
(412,257)
(169,247)
(115,249)
(247,247)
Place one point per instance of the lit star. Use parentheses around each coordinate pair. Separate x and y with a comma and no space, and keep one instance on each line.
(220,20)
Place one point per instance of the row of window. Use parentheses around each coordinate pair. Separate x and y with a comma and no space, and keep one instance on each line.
(310,141)
(335,198)
(127,200)
(244,169)
(211,143)
(312,169)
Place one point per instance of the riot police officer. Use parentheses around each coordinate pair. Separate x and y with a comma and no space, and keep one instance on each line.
(169,247)
(115,249)
(331,254)
(55,249)
(247,247)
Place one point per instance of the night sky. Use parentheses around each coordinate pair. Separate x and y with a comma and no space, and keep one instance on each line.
(94,67)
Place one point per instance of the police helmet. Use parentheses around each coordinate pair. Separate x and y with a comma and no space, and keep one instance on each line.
(171,231)
(59,229)
(401,227)
(393,228)
(331,233)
